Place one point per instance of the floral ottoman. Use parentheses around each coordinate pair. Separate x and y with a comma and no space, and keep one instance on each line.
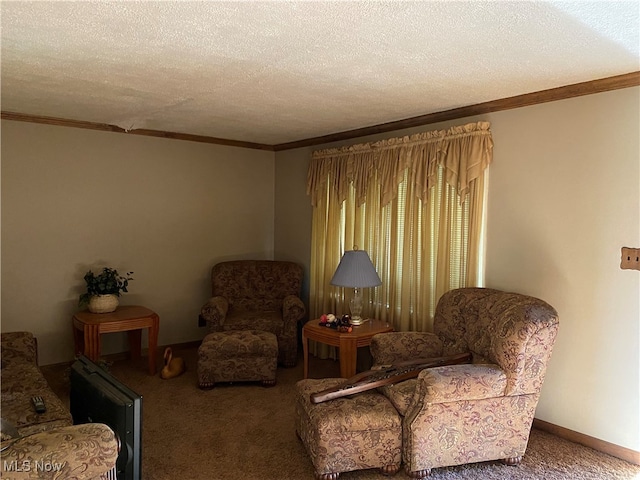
(358,432)
(238,356)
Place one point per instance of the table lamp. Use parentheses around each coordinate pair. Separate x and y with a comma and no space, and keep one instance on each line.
(356,271)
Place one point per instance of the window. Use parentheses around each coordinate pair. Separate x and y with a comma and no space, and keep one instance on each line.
(401,201)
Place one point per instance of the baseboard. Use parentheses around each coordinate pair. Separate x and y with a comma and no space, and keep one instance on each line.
(600,445)
(145,351)
(180,346)
(113,357)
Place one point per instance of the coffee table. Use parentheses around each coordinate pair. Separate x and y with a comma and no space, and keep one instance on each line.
(347,343)
(87,328)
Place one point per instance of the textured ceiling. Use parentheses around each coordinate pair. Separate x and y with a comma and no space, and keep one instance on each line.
(277,72)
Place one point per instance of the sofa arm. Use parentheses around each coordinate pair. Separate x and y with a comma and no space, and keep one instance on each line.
(293,309)
(19,347)
(77,452)
(454,383)
(214,312)
(393,347)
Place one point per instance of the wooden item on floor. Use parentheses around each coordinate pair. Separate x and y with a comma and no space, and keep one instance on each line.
(87,328)
(348,343)
(386,375)
(173,367)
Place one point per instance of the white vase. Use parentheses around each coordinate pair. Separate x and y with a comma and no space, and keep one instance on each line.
(103,303)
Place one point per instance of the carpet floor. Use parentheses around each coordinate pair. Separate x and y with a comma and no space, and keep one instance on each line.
(246,431)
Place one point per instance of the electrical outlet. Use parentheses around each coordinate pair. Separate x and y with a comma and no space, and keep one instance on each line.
(630,259)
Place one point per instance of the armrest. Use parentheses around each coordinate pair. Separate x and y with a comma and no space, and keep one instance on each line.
(19,347)
(393,347)
(454,383)
(292,309)
(214,311)
(77,452)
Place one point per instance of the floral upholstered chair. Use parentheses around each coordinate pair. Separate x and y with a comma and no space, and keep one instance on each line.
(452,415)
(259,295)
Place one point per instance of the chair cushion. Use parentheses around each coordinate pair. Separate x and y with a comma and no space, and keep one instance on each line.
(363,411)
(268,321)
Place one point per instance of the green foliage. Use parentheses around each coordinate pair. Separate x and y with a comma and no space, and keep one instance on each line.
(108,282)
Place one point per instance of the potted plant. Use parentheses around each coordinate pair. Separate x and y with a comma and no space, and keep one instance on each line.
(104,289)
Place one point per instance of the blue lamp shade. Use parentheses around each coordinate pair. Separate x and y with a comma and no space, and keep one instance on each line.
(356,271)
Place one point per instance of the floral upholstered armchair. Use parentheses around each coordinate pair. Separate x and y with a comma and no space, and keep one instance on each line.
(475,412)
(258,295)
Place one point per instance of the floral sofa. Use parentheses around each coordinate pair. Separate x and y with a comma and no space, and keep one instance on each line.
(47,445)
(258,295)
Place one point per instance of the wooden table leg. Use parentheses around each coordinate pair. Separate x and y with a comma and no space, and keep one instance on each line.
(153,344)
(348,356)
(92,342)
(305,354)
(135,343)
(78,341)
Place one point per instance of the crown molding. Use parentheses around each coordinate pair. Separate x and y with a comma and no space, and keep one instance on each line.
(551,95)
(64,122)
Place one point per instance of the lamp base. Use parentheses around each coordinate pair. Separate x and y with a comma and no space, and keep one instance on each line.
(356,308)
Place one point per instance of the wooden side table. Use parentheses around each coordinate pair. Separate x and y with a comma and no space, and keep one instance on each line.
(348,343)
(87,328)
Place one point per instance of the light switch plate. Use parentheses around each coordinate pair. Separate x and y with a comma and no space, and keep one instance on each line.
(630,259)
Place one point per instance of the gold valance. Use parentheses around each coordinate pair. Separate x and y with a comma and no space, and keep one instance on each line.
(463,151)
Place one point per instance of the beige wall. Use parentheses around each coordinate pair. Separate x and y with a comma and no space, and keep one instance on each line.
(563,200)
(293,222)
(564,196)
(75,199)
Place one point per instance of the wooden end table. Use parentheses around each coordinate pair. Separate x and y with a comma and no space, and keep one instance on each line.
(87,328)
(348,343)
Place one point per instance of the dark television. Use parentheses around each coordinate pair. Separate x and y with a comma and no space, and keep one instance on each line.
(98,397)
